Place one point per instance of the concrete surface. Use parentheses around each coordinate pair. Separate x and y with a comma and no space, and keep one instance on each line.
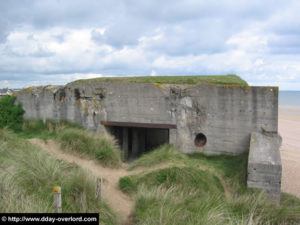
(264,164)
(225,114)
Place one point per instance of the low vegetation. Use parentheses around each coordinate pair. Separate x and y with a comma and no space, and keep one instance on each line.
(193,193)
(11,115)
(44,129)
(164,153)
(100,147)
(28,174)
(227,79)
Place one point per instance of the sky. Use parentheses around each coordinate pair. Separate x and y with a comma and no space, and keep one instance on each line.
(57,41)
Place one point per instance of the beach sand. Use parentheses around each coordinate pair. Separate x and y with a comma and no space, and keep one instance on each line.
(289,129)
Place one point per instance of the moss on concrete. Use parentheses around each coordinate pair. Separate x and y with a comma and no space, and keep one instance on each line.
(201,79)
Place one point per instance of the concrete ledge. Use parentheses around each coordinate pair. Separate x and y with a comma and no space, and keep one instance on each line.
(264,164)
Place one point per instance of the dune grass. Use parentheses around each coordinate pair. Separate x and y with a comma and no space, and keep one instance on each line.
(28,174)
(190,194)
(96,146)
(184,178)
(230,79)
(162,154)
(232,168)
(44,130)
(71,137)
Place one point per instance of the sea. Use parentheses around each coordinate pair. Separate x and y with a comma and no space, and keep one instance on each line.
(289,98)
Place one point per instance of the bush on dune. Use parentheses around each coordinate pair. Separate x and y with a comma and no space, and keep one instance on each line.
(11,115)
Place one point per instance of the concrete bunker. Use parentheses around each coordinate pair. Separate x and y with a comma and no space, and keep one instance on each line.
(142,114)
(138,138)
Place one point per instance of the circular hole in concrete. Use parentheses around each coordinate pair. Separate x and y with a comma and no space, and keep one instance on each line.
(200,140)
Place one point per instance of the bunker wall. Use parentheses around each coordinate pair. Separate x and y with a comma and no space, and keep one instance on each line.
(226,115)
(264,164)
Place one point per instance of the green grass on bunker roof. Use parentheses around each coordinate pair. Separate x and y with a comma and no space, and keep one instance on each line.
(199,79)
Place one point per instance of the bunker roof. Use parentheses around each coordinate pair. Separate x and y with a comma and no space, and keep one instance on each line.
(230,79)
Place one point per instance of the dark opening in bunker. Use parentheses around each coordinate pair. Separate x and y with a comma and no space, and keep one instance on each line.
(200,140)
(136,138)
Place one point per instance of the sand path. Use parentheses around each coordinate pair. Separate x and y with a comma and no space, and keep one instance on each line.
(289,129)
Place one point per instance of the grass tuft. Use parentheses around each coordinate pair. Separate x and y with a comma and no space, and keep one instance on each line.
(96,146)
(164,153)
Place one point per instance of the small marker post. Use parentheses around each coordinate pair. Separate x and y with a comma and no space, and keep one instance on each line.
(57,199)
(99,188)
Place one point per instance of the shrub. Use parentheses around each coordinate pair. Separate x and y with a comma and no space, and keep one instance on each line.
(11,115)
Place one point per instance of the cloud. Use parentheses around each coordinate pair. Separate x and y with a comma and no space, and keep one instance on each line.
(285,44)
(57,41)
(191,38)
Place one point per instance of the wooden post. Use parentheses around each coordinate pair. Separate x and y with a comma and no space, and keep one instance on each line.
(99,188)
(57,199)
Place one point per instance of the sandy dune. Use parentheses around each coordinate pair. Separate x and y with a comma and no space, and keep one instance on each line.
(289,129)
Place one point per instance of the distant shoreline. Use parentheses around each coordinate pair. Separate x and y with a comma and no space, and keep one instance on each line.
(289,98)
(291,110)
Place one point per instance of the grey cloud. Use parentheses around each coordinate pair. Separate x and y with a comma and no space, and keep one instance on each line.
(7,75)
(60,38)
(177,10)
(48,13)
(97,37)
(285,44)
(122,33)
(39,52)
(42,52)
(190,27)
(285,22)
(4,31)
(125,31)
(202,37)
(127,21)
(284,30)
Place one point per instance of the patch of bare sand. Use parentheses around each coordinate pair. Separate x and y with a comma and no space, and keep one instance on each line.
(289,129)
